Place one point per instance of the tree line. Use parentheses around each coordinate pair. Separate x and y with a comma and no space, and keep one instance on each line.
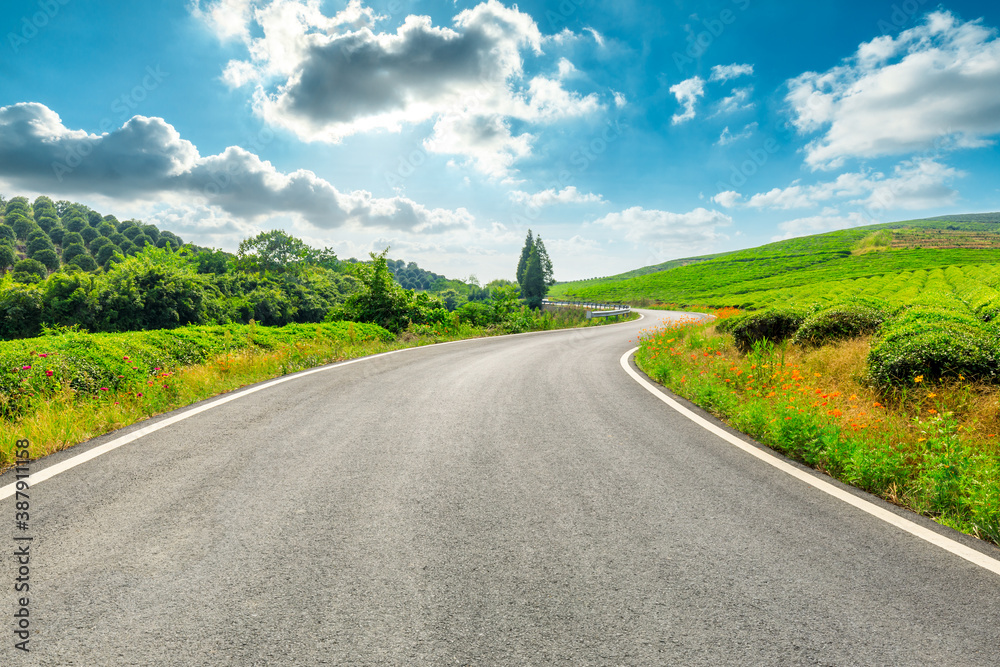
(65,265)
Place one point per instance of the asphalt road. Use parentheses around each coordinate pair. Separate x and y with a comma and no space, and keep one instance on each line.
(509,501)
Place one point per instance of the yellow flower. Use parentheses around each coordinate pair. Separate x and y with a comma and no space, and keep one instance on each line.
(918,379)
(931,395)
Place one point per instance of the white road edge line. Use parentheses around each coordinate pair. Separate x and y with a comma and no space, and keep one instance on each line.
(946,543)
(53,470)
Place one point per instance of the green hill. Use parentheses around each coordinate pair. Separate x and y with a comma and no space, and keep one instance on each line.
(817,268)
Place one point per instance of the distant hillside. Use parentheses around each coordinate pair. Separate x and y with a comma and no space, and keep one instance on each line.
(753,277)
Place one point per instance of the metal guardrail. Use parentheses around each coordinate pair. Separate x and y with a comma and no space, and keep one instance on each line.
(594,308)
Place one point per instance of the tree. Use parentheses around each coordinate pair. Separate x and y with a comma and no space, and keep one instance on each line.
(72,251)
(545,262)
(533,287)
(48,257)
(273,251)
(381,299)
(522,263)
(7,256)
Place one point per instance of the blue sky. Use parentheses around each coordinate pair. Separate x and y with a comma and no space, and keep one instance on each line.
(625,133)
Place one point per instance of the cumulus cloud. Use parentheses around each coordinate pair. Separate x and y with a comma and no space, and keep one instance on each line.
(914,184)
(667,233)
(687,93)
(933,87)
(329,77)
(146,159)
(727,72)
(568,195)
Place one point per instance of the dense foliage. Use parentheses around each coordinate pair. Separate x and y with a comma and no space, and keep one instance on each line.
(64,264)
(91,364)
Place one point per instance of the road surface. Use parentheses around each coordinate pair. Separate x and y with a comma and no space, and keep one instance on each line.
(505,501)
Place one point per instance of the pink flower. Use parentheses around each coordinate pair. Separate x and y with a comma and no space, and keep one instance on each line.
(125,358)
(48,373)
(43,355)
(104,388)
(139,394)
(25,368)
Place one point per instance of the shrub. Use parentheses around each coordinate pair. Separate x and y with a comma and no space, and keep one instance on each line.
(85,262)
(20,311)
(29,270)
(7,234)
(841,322)
(71,251)
(726,325)
(935,347)
(990,310)
(72,238)
(48,257)
(773,324)
(7,256)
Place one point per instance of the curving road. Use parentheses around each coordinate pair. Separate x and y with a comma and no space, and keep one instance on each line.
(507,501)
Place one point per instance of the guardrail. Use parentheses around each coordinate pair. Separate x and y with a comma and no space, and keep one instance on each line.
(602,309)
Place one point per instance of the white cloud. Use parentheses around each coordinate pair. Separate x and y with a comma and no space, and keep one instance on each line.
(146,159)
(914,184)
(728,137)
(620,100)
(596,35)
(687,93)
(329,77)
(819,224)
(727,72)
(934,87)
(568,195)
(228,19)
(739,100)
(669,234)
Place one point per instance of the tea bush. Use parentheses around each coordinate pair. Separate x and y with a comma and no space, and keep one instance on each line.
(773,324)
(841,322)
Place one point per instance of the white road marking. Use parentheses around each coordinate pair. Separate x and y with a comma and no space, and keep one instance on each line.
(946,543)
(53,470)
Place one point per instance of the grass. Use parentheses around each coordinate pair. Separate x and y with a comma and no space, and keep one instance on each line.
(63,389)
(931,448)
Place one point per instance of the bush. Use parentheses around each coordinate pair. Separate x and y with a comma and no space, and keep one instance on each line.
(85,262)
(20,311)
(48,257)
(990,310)
(71,251)
(7,255)
(841,322)
(29,270)
(935,347)
(773,324)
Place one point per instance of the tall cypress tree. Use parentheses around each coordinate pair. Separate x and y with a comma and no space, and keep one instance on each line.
(533,287)
(545,262)
(529,243)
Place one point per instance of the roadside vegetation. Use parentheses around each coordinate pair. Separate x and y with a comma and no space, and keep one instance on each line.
(90,349)
(872,354)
